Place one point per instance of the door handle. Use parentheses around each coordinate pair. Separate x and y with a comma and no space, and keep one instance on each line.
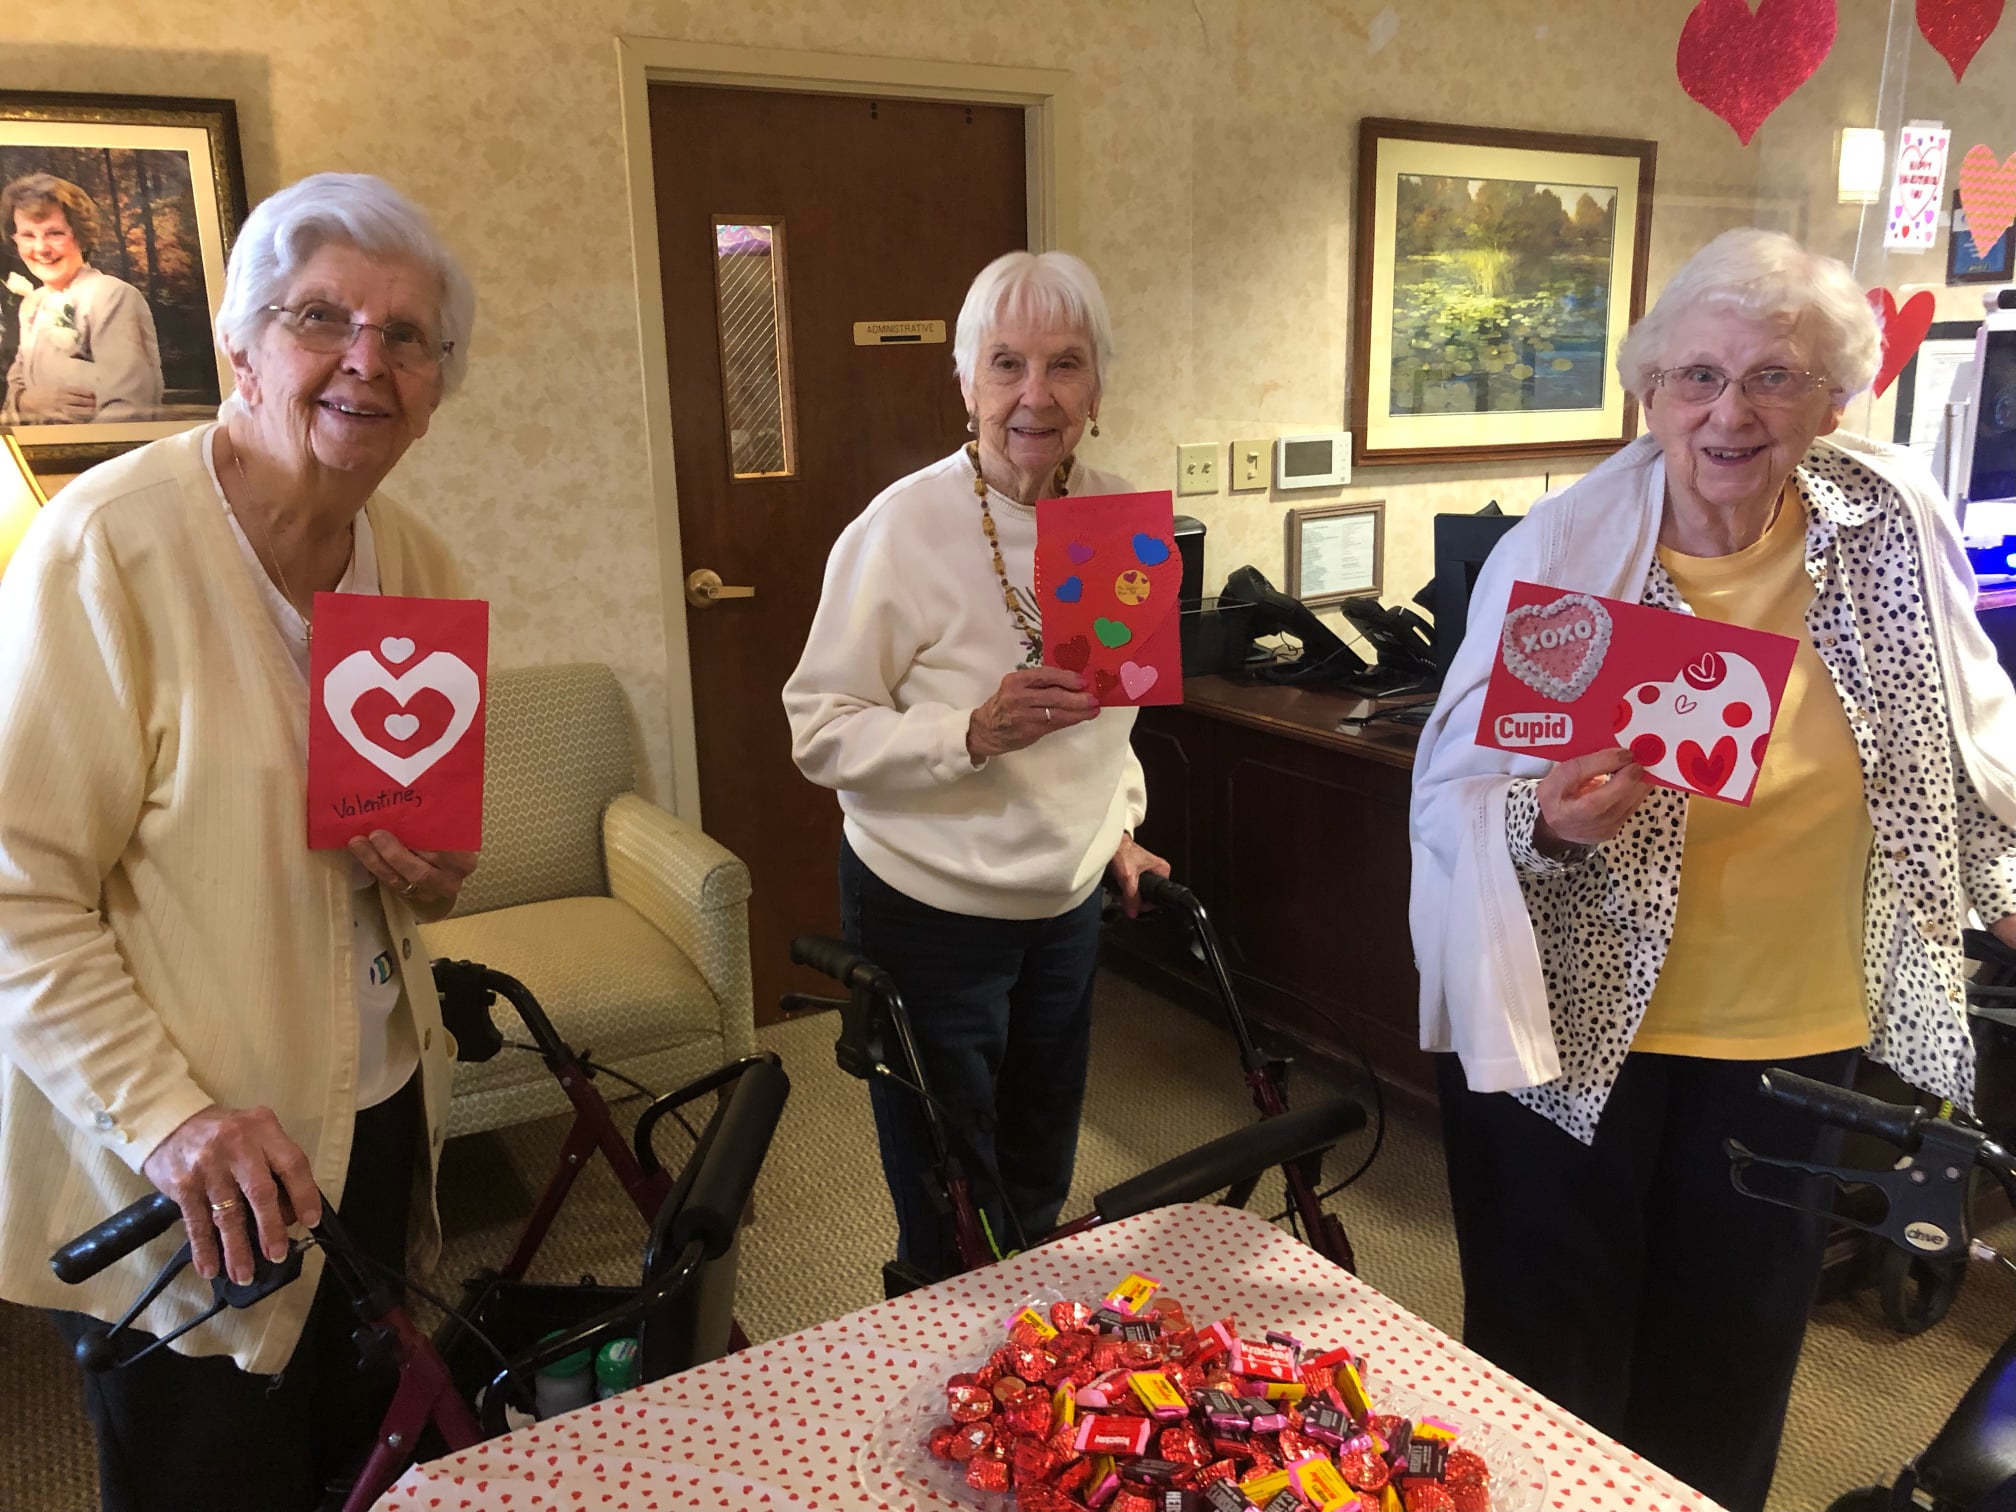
(704,588)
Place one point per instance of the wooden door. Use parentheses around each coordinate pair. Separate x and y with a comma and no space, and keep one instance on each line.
(783,220)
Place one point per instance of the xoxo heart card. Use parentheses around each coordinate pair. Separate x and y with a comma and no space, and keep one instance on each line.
(395,720)
(1692,699)
(1107,580)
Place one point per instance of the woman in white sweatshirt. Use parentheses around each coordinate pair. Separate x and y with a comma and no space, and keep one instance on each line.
(985,795)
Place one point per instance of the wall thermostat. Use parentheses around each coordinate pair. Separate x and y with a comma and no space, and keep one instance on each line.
(1315,459)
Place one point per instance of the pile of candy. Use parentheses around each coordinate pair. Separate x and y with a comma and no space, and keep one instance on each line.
(1128,1407)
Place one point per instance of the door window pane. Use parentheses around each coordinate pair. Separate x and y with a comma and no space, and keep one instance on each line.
(755,347)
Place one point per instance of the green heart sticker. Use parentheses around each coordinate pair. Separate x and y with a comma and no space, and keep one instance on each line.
(1111,632)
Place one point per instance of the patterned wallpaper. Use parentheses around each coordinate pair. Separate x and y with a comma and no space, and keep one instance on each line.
(1214,191)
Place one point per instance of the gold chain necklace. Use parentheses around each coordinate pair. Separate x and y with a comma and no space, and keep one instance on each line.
(266,535)
(1032,635)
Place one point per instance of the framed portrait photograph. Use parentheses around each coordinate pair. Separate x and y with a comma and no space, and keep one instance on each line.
(1496,273)
(117,214)
(1967,263)
(1336,551)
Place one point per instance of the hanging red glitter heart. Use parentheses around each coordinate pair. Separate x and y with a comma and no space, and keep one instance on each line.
(1904,329)
(1957,28)
(1743,66)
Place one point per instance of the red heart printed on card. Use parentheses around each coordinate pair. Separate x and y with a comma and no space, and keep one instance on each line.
(1904,330)
(1557,649)
(1708,770)
(1957,28)
(1074,653)
(1743,66)
(404,728)
(1988,195)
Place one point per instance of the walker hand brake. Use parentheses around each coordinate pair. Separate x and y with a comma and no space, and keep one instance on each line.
(1925,1194)
(100,1350)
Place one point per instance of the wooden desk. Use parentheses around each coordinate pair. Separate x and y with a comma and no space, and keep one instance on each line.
(1294,836)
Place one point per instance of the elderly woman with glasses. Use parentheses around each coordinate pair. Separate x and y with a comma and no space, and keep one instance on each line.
(985,795)
(88,351)
(191,999)
(1613,964)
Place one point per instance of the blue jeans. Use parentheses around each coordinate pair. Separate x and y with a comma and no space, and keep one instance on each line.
(1001,1010)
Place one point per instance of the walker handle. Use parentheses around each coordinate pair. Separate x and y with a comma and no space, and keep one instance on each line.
(112,1240)
(1894,1123)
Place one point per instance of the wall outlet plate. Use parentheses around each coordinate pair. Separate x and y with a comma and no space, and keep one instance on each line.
(1197,468)
(1252,463)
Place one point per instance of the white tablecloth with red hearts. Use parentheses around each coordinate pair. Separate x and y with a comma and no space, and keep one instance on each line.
(782,1426)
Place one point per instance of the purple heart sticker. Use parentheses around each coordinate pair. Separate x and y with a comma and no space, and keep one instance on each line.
(1079,553)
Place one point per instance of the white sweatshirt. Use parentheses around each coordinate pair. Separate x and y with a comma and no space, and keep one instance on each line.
(910,637)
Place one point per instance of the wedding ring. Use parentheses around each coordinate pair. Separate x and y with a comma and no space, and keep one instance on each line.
(219,1209)
(1046,713)
(408,889)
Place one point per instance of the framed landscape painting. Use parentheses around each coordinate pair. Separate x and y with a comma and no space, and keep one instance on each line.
(1496,273)
(117,214)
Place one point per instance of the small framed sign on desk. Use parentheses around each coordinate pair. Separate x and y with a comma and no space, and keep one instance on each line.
(1336,551)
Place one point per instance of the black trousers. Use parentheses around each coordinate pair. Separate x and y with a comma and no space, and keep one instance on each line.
(1629,1280)
(178,1433)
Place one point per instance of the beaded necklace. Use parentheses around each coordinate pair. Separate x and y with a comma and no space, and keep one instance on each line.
(1032,634)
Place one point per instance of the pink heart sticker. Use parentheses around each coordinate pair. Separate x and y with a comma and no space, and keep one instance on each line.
(1557,649)
(1988,195)
(1137,679)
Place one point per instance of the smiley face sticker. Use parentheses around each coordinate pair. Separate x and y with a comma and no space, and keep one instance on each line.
(1132,586)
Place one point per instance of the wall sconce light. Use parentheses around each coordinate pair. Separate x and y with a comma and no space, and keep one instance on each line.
(20,496)
(1863,161)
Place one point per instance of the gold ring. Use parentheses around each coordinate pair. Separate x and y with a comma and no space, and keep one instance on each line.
(408,890)
(219,1209)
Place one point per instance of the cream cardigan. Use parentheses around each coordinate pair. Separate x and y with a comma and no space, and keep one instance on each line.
(167,939)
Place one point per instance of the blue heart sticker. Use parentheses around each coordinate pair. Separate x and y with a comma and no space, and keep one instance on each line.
(1150,551)
(1070,590)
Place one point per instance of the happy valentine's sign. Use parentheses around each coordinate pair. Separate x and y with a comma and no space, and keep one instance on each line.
(395,720)
(1692,699)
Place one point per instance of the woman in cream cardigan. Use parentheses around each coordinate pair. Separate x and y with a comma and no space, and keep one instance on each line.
(191,999)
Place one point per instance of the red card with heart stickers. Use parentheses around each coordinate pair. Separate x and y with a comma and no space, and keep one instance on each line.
(395,720)
(1107,580)
(1693,699)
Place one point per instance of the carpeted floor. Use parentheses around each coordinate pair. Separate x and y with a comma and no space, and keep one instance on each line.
(1162,1081)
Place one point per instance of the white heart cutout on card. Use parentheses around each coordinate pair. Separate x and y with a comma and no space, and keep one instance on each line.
(395,649)
(401,726)
(1705,730)
(442,671)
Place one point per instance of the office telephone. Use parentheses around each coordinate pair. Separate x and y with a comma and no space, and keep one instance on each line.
(1402,638)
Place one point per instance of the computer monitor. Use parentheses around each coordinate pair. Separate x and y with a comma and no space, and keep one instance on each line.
(1462,542)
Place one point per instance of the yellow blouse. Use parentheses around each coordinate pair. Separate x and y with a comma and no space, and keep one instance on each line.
(1767,953)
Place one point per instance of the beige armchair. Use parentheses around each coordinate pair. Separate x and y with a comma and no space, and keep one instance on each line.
(629,925)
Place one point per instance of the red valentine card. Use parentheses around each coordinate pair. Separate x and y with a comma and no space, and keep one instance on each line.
(395,720)
(1693,699)
(1107,579)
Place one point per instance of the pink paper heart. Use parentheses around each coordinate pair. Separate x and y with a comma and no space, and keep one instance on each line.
(1988,195)
(1743,66)
(1957,28)
(1137,679)
(1557,649)
(1904,329)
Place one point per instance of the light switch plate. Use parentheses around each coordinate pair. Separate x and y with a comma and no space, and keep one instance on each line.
(1252,462)
(1197,468)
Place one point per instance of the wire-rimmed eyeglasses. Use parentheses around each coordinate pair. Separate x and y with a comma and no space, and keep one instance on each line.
(328,328)
(1765,387)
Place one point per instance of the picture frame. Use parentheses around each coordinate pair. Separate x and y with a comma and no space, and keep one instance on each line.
(1496,272)
(1965,264)
(1926,382)
(1336,551)
(122,353)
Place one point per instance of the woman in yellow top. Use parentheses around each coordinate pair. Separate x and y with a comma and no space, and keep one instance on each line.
(191,999)
(1614,963)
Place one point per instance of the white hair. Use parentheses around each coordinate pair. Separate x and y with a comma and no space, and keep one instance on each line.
(1764,274)
(1052,290)
(286,229)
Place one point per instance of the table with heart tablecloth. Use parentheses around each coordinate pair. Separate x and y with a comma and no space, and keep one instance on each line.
(793,1424)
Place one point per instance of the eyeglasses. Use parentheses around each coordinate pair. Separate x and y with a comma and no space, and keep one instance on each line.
(1767,388)
(328,328)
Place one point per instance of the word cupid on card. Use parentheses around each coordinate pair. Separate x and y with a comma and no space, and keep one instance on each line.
(1692,699)
(395,720)
(1107,583)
